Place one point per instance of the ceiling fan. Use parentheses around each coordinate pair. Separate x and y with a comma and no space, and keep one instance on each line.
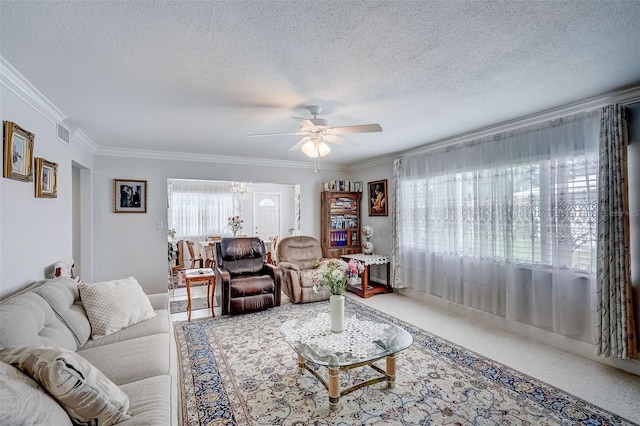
(316,132)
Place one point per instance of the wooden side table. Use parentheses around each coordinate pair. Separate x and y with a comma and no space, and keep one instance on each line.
(197,276)
(368,288)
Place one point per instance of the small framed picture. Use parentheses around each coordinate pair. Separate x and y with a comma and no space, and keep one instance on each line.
(129,196)
(46,179)
(378,198)
(18,153)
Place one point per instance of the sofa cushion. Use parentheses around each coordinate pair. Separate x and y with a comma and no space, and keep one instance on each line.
(82,390)
(26,402)
(150,408)
(29,320)
(114,305)
(159,324)
(64,297)
(132,360)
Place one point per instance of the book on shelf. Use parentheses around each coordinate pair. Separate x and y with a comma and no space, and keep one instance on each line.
(342,186)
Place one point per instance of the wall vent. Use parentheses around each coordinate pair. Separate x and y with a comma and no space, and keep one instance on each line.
(63,133)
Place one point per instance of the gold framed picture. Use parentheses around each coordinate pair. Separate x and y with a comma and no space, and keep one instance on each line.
(46,179)
(378,198)
(129,196)
(18,153)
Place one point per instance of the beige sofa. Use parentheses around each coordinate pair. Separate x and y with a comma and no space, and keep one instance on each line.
(140,359)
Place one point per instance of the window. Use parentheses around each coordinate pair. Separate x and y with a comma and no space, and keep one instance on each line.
(199,208)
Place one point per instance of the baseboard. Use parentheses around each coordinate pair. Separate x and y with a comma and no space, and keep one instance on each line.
(545,337)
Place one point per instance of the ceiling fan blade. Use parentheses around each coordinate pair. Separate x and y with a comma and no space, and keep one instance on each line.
(336,139)
(360,128)
(299,144)
(312,122)
(274,134)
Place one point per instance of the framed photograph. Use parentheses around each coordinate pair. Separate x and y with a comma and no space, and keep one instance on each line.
(18,153)
(378,198)
(129,196)
(46,179)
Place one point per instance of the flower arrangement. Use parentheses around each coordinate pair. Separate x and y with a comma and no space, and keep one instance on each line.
(235,222)
(334,274)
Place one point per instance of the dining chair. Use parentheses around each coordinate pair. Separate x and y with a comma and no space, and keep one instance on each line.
(194,261)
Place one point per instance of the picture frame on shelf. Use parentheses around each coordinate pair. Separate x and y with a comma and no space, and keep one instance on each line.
(18,152)
(378,197)
(129,196)
(46,179)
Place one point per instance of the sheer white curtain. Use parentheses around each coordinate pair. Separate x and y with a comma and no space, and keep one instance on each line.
(508,224)
(198,208)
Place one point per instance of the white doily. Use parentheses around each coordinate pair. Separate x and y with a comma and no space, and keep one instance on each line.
(358,338)
(368,259)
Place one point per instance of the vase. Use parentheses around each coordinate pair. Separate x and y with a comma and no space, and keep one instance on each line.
(337,313)
(367,247)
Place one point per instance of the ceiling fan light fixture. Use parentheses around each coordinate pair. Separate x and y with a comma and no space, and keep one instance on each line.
(314,149)
(323,149)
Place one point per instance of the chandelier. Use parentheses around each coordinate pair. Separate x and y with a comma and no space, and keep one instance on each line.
(241,190)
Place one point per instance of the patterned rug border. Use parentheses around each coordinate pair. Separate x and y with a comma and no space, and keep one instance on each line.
(564,404)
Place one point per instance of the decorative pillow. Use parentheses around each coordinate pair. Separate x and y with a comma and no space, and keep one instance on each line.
(25,402)
(86,394)
(114,305)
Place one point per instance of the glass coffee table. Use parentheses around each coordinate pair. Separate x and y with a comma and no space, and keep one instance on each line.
(363,341)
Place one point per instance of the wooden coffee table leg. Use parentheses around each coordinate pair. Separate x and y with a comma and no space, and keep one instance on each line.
(391,371)
(334,388)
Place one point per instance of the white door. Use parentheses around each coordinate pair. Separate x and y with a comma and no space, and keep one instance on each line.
(267,215)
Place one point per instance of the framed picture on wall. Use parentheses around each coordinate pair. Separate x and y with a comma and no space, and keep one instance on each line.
(46,179)
(378,198)
(18,153)
(129,196)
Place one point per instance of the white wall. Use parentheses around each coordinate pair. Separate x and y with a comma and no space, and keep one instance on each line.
(35,232)
(127,244)
(381,224)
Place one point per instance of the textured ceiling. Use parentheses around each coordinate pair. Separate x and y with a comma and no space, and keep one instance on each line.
(197,77)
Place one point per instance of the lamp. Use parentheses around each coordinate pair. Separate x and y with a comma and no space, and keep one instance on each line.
(241,190)
(315,148)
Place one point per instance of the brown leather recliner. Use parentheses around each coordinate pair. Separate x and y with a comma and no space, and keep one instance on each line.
(297,257)
(249,284)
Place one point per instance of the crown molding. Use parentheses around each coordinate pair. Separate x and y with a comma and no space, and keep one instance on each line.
(204,158)
(625,97)
(84,141)
(21,87)
(378,161)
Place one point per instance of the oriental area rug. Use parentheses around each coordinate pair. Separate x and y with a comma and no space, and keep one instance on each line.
(240,371)
(177,306)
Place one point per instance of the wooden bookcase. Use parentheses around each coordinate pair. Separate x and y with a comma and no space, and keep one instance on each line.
(340,223)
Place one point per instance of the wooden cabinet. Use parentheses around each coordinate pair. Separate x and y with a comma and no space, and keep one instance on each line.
(340,223)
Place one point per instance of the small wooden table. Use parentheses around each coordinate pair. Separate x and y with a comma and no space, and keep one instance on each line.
(368,288)
(197,276)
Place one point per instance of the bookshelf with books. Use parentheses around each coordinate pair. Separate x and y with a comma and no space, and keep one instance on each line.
(340,223)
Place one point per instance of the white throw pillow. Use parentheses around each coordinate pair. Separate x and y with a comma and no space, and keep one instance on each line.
(114,305)
(86,394)
(24,401)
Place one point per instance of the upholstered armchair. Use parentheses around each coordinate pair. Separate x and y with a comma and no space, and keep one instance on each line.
(297,257)
(247,282)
